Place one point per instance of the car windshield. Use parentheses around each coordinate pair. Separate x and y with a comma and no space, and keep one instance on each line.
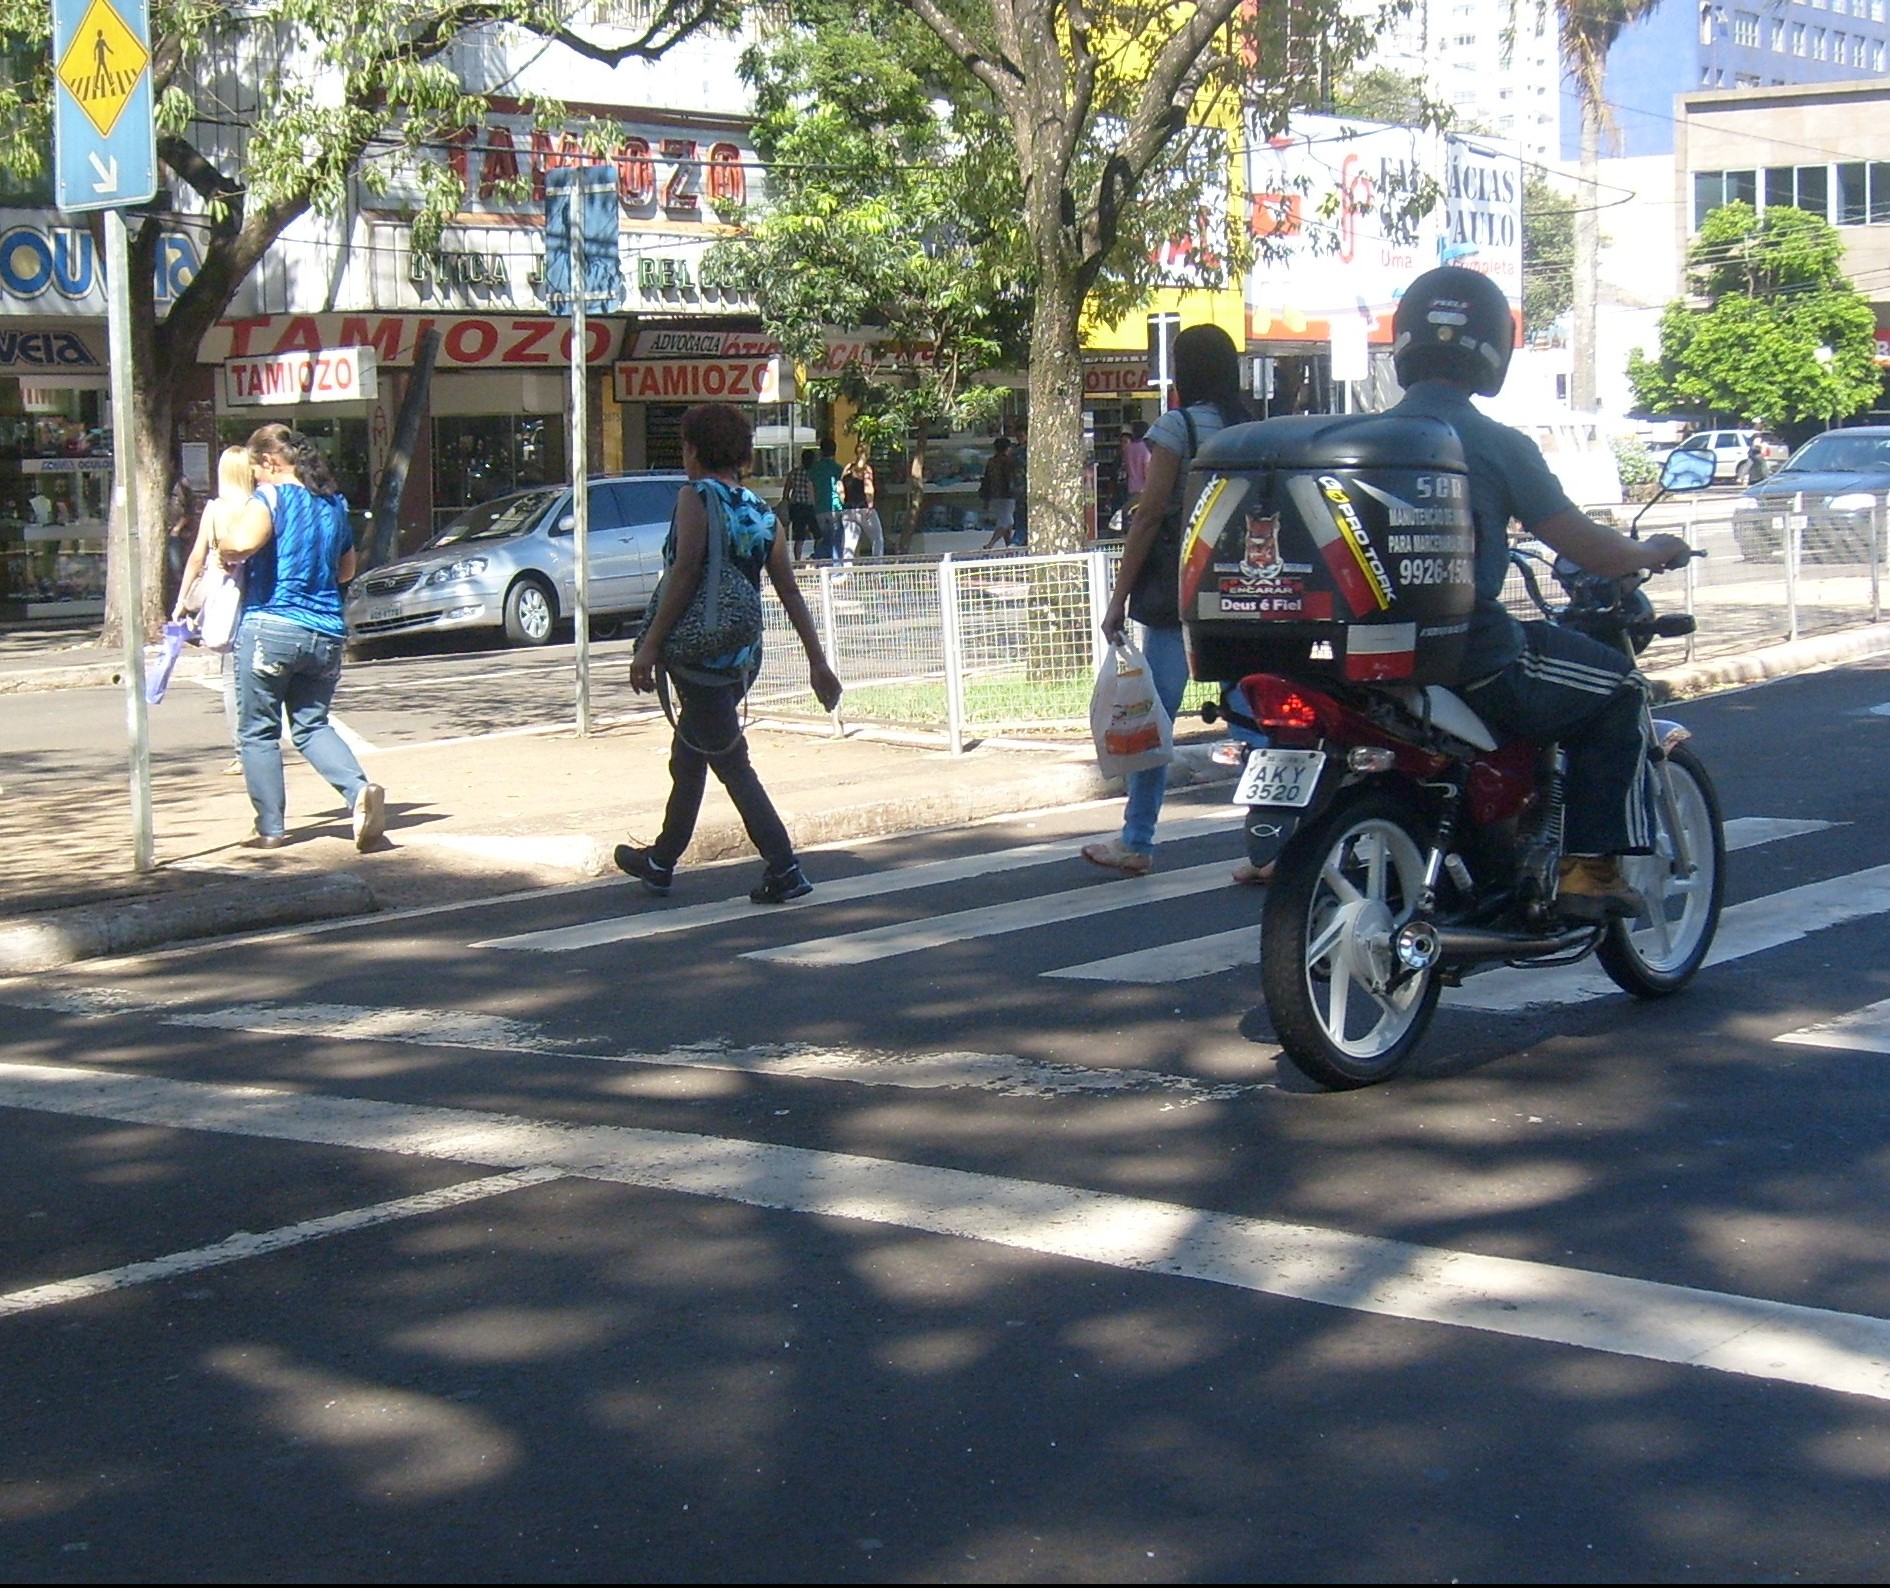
(1837,453)
(498,520)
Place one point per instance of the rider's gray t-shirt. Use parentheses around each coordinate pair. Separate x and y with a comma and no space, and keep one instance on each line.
(1508,480)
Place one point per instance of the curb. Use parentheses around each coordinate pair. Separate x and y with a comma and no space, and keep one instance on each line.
(95,675)
(46,942)
(1772,661)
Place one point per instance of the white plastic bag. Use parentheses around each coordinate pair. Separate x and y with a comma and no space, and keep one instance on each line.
(1126,719)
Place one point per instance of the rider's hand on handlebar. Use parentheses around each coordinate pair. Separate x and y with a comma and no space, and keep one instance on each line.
(1661,552)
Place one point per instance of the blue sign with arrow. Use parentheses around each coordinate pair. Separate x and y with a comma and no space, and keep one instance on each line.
(104,141)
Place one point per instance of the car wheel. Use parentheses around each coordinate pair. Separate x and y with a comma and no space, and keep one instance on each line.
(531,611)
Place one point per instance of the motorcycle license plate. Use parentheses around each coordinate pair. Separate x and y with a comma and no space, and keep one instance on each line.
(1279,777)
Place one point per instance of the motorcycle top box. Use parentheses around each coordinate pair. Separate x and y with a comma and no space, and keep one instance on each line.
(1330,545)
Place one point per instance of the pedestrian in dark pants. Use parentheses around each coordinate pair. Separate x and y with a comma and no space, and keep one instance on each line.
(717,447)
(1756,466)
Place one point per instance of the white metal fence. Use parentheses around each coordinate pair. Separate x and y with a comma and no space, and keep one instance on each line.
(1009,644)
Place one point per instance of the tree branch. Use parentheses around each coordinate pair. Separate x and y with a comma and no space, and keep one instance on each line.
(1001,76)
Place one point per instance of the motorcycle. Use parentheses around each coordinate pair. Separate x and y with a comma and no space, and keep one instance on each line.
(1412,848)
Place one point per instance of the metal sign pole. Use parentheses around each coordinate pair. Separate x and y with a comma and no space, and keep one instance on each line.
(130,544)
(580,458)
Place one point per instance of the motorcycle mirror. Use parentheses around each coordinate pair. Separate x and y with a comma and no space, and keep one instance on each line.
(1686,470)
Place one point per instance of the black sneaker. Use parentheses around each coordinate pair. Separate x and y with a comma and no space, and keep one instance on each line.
(637,863)
(779,887)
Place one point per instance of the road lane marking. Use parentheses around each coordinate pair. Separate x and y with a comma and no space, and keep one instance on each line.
(1172,962)
(1865,1030)
(1843,1352)
(1748,832)
(1744,929)
(869,885)
(239,1248)
(1007,1074)
(994,920)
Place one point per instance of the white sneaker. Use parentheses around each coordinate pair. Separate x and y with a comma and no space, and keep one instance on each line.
(370,815)
(1114,854)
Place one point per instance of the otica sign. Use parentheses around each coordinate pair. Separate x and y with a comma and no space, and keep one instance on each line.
(50,268)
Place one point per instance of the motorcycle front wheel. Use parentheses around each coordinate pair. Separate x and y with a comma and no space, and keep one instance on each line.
(1659,952)
(1341,890)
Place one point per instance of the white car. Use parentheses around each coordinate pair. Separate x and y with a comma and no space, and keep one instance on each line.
(1731,450)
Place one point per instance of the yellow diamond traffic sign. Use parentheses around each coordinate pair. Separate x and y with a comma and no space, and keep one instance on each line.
(103,66)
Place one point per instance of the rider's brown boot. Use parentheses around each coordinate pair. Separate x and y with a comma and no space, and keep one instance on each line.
(1593,889)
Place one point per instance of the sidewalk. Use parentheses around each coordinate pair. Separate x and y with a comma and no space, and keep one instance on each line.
(479,818)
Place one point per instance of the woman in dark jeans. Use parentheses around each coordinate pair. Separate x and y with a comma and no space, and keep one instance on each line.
(717,447)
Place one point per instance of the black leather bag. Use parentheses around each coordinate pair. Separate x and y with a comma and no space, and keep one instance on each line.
(1155,597)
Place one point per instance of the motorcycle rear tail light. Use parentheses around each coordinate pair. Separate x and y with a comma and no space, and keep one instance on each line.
(1284,709)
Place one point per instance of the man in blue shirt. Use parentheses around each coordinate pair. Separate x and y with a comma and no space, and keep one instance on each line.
(1453,336)
(826,477)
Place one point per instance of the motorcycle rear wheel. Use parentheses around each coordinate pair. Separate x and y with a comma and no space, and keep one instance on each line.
(1660,952)
(1341,890)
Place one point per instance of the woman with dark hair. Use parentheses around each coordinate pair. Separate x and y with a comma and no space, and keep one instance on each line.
(717,448)
(300,545)
(1207,387)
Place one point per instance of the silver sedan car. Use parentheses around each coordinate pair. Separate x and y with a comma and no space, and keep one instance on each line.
(509,564)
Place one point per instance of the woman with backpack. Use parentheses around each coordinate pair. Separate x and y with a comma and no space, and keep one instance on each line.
(1207,387)
(717,448)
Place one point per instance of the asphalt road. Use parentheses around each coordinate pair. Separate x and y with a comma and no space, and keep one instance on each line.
(962,1223)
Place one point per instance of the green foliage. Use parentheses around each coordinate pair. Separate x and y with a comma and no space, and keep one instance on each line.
(881,217)
(1639,473)
(1782,336)
(1383,94)
(1548,253)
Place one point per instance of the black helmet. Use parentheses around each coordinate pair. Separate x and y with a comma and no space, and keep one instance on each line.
(1453,324)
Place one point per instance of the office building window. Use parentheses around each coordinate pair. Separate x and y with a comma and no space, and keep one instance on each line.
(1798,38)
(1840,46)
(1853,194)
(1876,57)
(1820,45)
(1745,29)
(1711,189)
(1778,36)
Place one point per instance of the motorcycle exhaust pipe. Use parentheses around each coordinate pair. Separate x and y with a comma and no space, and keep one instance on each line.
(1420,944)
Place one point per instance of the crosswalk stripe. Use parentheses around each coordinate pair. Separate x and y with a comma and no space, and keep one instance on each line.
(992,920)
(657,922)
(1515,1297)
(1172,962)
(1218,951)
(1865,1030)
(1744,929)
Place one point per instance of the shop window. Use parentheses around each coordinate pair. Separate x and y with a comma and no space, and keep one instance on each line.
(1853,196)
(480,457)
(55,480)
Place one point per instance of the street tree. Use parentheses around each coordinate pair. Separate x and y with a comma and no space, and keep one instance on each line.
(1548,253)
(267,111)
(1774,334)
(882,217)
(1115,114)
(1588,31)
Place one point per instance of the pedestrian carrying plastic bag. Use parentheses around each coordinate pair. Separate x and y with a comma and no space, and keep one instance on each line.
(1126,718)
(160,661)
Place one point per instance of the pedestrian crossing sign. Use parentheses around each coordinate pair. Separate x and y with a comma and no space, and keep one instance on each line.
(103,66)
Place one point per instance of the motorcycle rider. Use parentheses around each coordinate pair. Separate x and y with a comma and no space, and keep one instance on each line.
(1452,336)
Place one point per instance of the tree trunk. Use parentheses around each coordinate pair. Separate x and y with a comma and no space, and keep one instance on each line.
(1056,463)
(1584,396)
(915,487)
(142,441)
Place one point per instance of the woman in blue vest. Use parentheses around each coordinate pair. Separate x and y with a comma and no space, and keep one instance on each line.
(296,534)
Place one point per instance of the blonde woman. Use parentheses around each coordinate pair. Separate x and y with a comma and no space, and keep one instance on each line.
(236,483)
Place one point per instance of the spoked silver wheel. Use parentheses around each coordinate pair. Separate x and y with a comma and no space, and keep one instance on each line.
(1660,951)
(529,613)
(1338,1002)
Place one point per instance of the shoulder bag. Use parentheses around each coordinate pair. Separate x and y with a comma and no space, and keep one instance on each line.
(722,618)
(222,605)
(1155,597)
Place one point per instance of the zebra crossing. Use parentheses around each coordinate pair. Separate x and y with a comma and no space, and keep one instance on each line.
(1749,928)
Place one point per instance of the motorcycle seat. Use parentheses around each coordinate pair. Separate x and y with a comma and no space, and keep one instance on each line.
(1438,705)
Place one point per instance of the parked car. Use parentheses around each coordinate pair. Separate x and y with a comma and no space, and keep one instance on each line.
(509,564)
(1732,452)
(1842,475)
